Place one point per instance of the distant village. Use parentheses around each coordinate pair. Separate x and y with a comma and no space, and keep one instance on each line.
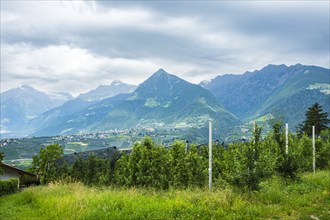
(19,151)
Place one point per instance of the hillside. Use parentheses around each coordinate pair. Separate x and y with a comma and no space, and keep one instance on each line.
(163,100)
(305,199)
(167,100)
(310,84)
(71,120)
(276,89)
(58,114)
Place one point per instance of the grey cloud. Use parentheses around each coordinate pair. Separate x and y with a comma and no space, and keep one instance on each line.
(219,36)
(302,25)
(301,28)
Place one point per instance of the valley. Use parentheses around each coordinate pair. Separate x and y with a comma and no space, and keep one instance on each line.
(164,110)
(164,107)
(19,151)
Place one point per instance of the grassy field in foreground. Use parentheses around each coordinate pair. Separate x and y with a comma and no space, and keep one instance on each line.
(308,198)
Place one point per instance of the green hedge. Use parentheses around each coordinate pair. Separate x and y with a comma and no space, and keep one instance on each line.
(8,186)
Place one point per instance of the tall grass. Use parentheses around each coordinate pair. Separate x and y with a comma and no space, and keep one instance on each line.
(303,199)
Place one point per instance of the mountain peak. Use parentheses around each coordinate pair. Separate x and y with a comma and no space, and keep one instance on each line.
(161,76)
(116,83)
(160,72)
(273,68)
(26,87)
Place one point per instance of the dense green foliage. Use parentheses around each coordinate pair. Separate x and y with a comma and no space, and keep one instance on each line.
(243,165)
(303,199)
(314,117)
(8,186)
(41,161)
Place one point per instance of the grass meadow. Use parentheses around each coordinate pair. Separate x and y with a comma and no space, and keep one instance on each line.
(306,198)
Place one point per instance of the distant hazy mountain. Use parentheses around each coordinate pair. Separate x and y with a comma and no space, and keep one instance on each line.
(23,103)
(107,91)
(57,115)
(74,116)
(59,98)
(65,117)
(277,89)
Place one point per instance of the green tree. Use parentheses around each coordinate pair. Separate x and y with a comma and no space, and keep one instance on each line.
(179,174)
(322,153)
(41,161)
(314,116)
(107,172)
(277,134)
(285,165)
(94,168)
(252,154)
(56,171)
(247,164)
(159,167)
(195,168)
(235,164)
(78,169)
(122,172)
(140,162)
(304,154)
(148,166)
(256,134)
(218,160)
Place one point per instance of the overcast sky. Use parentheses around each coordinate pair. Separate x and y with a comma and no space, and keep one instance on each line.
(76,46)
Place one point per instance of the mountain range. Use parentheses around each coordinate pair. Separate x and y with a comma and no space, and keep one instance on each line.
(25,109)
(21,104)
(280,90)
(163,100)
(166,101)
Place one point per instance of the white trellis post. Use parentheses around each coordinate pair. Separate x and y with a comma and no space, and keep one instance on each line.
(210,153)
(313,148)
(286,138)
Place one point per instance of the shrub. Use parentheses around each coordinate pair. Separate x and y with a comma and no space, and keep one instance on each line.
(8,186)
